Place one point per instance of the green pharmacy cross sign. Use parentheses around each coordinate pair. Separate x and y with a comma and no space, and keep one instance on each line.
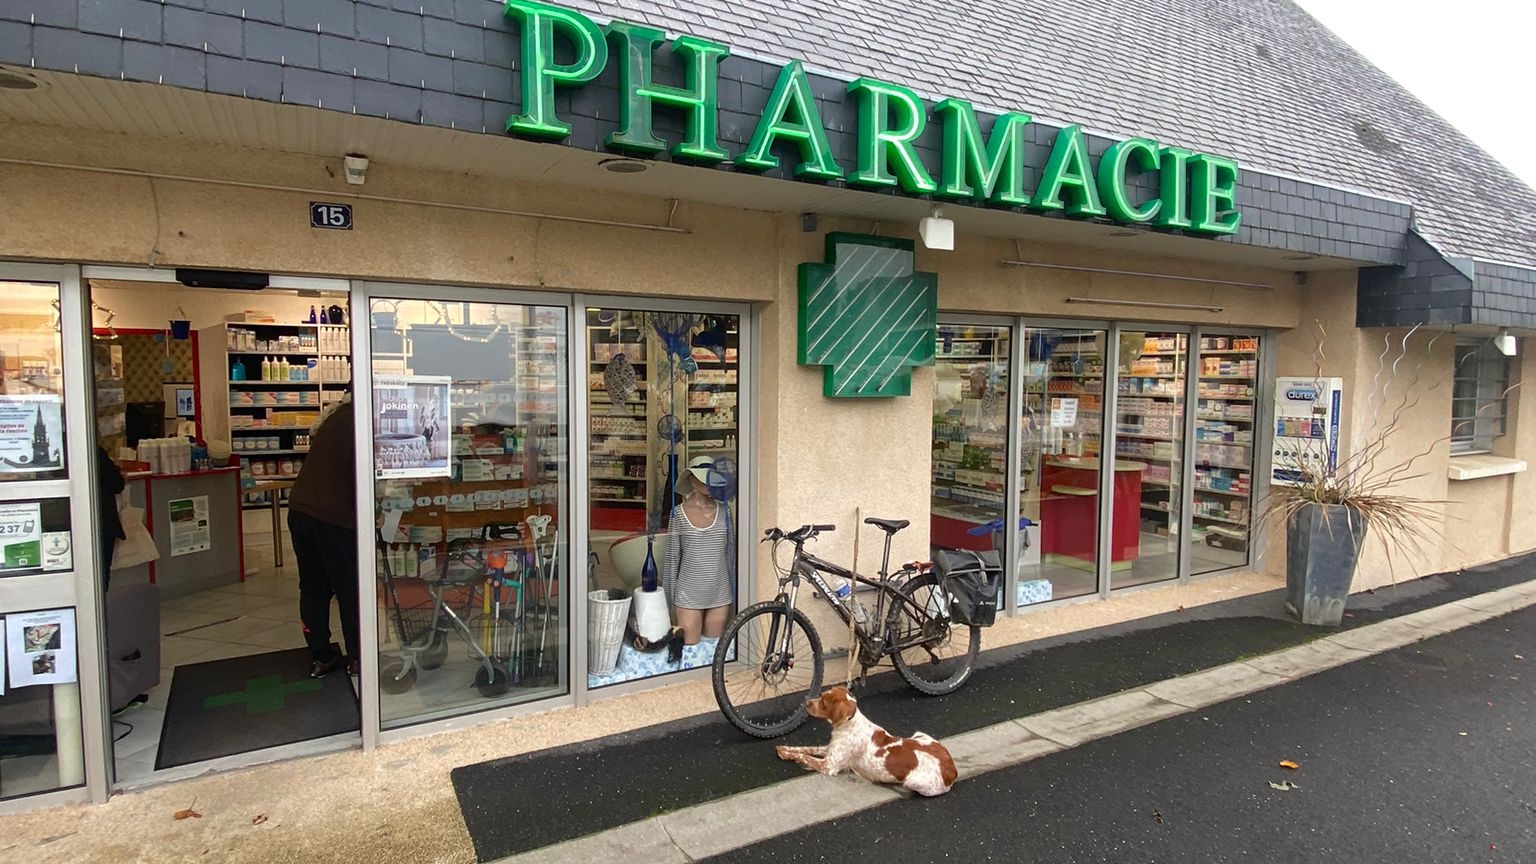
(867,316)
(1194,192)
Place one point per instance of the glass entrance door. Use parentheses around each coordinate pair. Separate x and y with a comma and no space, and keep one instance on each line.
(467,431)
(1061,445)
(1150,381)
(50,716)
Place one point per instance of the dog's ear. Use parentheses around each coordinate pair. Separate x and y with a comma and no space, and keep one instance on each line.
(842,708)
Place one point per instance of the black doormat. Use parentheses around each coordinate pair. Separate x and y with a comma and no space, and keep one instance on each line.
(240,704)
(584,788)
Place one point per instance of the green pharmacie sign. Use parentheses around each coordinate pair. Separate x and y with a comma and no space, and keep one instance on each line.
(1195,190)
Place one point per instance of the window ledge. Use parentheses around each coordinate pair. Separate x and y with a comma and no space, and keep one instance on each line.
(1482,465)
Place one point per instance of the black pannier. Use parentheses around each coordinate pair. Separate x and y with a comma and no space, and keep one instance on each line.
(974,581)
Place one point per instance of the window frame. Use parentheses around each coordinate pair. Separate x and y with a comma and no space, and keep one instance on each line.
(1479,419)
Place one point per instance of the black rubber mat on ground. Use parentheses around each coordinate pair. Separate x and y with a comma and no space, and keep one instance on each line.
(526,802)
(240,704)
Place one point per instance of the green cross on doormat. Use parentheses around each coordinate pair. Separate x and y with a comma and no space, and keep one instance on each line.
(267,693)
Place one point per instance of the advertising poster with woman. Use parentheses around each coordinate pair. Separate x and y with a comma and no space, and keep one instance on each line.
(412,426)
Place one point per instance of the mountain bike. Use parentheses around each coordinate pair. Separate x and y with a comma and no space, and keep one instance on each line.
(769,659)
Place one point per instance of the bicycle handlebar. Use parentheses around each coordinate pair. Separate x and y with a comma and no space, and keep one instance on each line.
(799,535)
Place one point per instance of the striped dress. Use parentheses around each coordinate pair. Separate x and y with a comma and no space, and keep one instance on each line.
(697,571)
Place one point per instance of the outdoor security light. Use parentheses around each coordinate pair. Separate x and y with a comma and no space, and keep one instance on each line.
(1505,342)
(936,231)
(356,168)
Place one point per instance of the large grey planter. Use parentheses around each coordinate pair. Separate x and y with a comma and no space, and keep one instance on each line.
(1322,548)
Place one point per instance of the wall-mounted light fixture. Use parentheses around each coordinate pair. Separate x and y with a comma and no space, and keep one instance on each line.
(1506,343)
(936,231)
(1151,304)
(624,166)
(1252,286)
(355,166)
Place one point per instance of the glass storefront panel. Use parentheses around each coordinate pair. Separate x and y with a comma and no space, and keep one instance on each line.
(970,437)
(470,485)
(1149,447)
(40,730)
(1061,442)
(663,390)
(1223,453)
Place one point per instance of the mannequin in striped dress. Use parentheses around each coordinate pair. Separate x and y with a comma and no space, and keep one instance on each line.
(697,572)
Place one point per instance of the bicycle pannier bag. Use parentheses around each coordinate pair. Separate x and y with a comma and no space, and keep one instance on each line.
(974,581)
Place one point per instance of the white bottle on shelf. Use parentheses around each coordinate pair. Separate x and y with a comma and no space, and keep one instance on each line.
(346,370)
(266,368)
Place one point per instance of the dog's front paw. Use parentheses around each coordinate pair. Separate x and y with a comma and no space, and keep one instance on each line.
(784,753)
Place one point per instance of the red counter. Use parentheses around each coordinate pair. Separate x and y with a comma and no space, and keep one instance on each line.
(1069,508)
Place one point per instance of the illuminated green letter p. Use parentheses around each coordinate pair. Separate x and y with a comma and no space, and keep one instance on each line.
(537,24)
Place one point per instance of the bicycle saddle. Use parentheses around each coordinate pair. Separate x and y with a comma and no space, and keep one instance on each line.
(889,526)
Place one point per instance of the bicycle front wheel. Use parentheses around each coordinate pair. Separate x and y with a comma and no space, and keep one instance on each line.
(761,679)
(940,654)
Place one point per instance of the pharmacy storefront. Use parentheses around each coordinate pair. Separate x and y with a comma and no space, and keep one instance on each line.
(578,297)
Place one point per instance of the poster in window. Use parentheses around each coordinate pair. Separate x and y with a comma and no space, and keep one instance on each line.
(40,647)
(1063,412)
(189,525)
(21,536)
(31,433)
(411,426)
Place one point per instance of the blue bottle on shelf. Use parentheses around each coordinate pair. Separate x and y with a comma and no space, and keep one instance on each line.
(237,371)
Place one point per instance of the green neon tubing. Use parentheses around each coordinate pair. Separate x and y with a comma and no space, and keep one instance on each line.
(1122,157)
(639,94)
(982,169)
(537,25)
(891,118)
(791,115)
(1068,172)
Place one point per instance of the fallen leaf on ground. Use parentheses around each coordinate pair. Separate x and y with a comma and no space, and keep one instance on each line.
(260,818)
(1158,816)
(1286,763)
(188,813)
(1283,785)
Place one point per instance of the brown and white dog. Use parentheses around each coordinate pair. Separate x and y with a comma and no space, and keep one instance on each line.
(919,763)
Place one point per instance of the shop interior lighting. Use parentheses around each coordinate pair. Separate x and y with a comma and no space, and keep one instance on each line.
(1253,286)
(1505,342)
(1151,304)
(936,231)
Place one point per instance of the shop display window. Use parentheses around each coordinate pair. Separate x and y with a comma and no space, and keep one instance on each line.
(663,393)
(1149,432)
(1062,434)
(970,437)
(471,488)
(1223,452)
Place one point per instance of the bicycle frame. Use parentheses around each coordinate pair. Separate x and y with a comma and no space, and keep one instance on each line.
(876,640)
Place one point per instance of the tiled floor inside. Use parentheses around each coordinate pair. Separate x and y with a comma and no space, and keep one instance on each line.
(258,615)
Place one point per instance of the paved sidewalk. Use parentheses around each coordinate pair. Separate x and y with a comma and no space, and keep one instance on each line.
(721,826)
(396,804)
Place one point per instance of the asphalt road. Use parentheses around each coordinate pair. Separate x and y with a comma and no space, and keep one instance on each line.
(1422,754)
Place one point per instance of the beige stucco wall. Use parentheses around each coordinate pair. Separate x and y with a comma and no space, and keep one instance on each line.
(820,459)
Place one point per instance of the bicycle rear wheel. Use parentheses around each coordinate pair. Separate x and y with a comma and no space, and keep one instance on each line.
(760,687)
(942,653)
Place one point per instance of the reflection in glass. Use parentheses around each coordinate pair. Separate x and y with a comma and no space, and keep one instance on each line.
(663,393)
(469,431)
(1149,430)
(1062,429)
(1224,428)
(970,437)
(31,383)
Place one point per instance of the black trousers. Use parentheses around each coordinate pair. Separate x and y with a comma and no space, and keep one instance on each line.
(327,558)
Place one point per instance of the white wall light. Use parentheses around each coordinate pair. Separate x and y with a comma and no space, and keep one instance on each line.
(356,168)
(1505,342)
(936,231)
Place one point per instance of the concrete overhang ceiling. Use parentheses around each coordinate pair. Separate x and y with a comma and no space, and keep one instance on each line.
(155,111)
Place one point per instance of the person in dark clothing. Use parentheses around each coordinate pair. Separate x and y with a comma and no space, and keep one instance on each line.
(322,521)
(109,482)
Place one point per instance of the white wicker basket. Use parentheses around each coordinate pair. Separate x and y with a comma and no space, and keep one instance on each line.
(606,620)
